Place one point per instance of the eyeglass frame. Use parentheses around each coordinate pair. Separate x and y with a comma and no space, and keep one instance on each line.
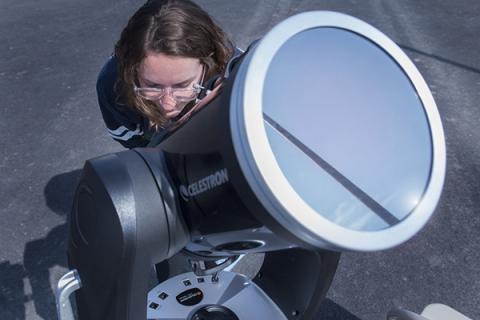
(196,89)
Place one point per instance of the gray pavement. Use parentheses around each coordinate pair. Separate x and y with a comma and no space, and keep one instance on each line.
(51,52)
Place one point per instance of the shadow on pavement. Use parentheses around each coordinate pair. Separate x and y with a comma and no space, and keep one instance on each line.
(42,254)
(60,190)
(39,257)
(12,296)
(329,310)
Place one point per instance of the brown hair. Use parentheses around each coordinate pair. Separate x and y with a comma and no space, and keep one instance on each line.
(173,27)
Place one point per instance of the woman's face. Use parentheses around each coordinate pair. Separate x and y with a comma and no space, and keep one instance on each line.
(162,71)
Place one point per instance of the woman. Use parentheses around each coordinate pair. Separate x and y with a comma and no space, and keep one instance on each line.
(166,54)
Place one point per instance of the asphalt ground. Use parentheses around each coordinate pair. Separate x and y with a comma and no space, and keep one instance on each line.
(51,52)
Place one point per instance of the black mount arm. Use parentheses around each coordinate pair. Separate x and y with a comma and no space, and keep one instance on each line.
(298,279)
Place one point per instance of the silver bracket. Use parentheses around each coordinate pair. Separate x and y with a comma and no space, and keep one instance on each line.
(204,268)
(67,284)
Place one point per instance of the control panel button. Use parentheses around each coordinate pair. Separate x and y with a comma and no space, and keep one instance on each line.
(163,296)
(153,305)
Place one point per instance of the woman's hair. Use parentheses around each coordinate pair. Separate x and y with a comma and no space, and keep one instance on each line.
(172,27)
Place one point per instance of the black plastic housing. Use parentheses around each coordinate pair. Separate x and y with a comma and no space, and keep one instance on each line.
(121,225)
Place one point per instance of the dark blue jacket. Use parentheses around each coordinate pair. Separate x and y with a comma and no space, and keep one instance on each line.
(124,124)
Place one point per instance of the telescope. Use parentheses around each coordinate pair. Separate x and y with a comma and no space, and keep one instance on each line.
(324,138)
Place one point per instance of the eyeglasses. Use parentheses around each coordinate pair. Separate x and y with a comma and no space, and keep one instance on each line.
(178,94)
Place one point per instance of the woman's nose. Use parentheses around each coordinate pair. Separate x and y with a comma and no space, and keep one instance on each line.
(167,102)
